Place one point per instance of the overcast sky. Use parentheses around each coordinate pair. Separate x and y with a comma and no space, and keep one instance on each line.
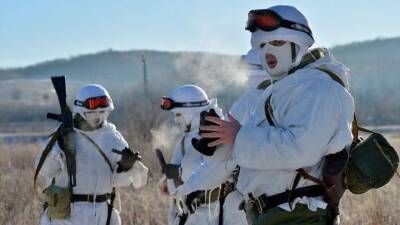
(37,30)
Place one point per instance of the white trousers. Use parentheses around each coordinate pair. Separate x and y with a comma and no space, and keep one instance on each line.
(232,214)
(207,214)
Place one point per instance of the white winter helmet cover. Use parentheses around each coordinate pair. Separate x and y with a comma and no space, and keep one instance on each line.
(89,92)
(253,63)
(301,39)
(254,69)
(191,101)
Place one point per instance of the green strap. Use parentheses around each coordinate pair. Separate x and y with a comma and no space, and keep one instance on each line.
(45,153)
(269,111)
(263,85)
(110,205)
(355,126)
(98,149)
(183,150)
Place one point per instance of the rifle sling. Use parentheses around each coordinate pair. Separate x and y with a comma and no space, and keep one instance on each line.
(110,205)
(183,150)
(54,136)
(98,150)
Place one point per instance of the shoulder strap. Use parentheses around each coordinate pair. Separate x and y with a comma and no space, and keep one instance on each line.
(263,85)
(355,127)
(98,149)
(332,75)
(183,150)
(269,111)
(45,153)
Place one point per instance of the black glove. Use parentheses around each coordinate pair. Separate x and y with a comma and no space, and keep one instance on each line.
(171,171)
(128,158)
(201,144)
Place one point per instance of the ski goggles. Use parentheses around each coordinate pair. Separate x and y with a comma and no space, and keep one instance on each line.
(268,20)
(168,104)
(94,103)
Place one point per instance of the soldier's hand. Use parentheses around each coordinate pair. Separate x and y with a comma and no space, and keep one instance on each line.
(201,144)
(172,171)
(128,158)
(163,186)
(225,132)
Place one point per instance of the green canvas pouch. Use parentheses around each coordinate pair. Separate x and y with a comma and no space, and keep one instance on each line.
(59,202)
(373,162)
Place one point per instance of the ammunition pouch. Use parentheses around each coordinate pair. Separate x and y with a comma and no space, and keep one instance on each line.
(58,202)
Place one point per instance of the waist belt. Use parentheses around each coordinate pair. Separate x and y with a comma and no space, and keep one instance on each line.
(198,198)
(264,202)
(91,198)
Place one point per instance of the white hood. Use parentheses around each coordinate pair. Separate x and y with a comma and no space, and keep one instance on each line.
(328,62)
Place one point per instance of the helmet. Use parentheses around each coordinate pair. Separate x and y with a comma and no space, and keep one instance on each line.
(301,39)
(187,100)
(92,98)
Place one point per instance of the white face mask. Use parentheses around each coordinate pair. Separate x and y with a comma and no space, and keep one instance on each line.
(277,60)
(181,122)
(96,118)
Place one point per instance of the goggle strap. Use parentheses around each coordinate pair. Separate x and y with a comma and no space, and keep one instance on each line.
(296,26)
(79,103)
(252,24)
(191,104)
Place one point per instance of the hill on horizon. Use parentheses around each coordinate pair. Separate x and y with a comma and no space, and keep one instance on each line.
(373,67)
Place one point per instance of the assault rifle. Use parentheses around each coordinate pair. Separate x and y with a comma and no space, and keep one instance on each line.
(66,129)
(171,171)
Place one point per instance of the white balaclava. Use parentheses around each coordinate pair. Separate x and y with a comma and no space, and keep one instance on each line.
(254,69)
(185,116)
(278,60)
(94,117)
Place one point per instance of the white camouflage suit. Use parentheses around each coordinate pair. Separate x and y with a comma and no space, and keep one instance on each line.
(215,172)
(312,115)
(189,160)
(207,214)
(93,175)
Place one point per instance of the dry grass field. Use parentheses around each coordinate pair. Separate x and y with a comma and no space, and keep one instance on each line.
(20,206)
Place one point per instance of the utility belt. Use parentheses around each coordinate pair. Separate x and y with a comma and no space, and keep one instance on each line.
(263,203)
(91,198)
(199,198)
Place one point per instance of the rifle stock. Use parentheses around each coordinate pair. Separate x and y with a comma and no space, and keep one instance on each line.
(66,127)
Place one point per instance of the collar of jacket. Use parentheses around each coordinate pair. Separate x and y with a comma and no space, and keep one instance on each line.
(263,85)
(81,124)
(309,58)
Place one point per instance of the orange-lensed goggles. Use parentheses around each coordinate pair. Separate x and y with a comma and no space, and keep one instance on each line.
(94,103)
(168,104)
(268,20)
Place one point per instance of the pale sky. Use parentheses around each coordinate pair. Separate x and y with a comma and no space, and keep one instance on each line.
(36,30)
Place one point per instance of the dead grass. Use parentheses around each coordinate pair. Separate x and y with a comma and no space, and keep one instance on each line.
(19,206)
